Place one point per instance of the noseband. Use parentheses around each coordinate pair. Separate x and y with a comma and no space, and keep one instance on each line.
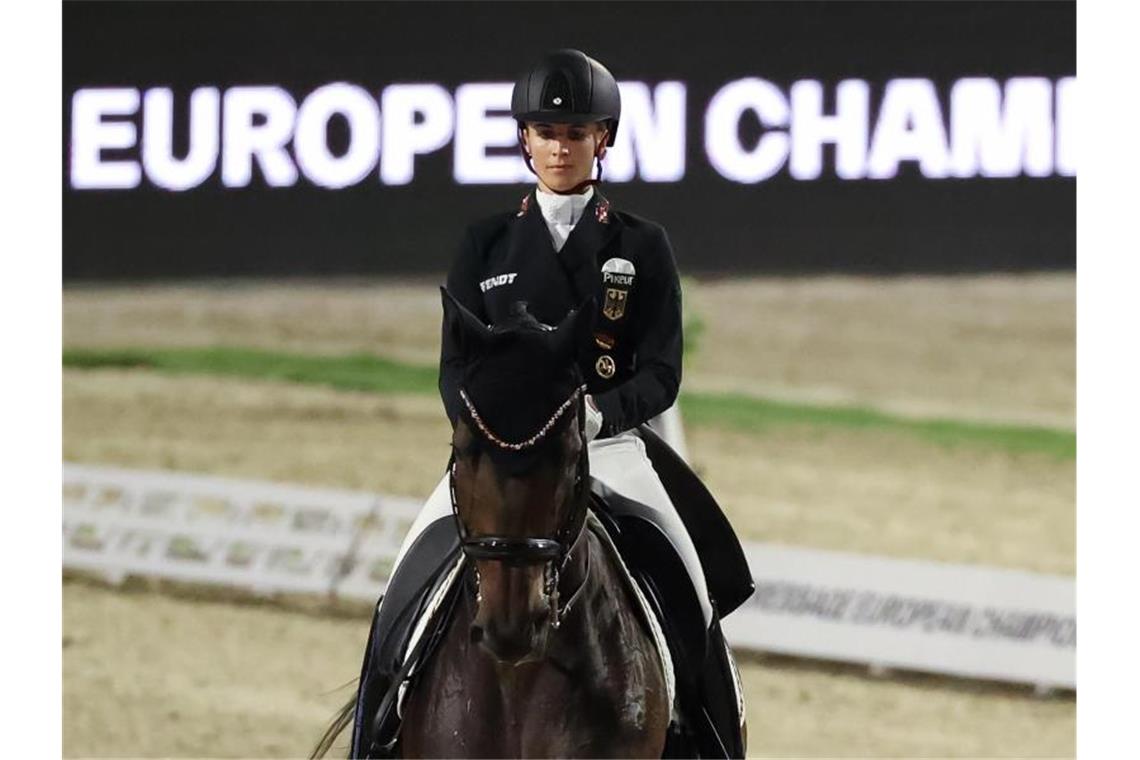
(551,552)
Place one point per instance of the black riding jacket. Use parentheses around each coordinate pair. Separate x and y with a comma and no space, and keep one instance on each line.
(625,262)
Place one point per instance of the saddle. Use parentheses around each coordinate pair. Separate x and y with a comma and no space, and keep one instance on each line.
(722,558)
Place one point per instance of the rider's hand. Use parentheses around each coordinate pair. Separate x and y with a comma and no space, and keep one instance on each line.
(593,419)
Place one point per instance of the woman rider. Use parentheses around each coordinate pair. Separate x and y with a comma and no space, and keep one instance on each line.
(564,245)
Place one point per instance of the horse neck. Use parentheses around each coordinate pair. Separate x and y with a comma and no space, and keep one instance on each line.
(594,578)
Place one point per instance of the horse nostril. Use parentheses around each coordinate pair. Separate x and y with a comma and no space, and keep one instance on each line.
(476,634)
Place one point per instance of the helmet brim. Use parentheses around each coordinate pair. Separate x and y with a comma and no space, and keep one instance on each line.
(562,117)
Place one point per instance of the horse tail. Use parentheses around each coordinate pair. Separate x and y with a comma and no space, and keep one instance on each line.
(340,721)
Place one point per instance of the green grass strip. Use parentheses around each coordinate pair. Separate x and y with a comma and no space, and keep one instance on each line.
(756,415)
(362,372)
(357,372)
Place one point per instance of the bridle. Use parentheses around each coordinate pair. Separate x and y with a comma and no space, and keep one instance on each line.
(553,552)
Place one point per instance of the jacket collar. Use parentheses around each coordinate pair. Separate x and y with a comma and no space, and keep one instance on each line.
(563,209)
(592,232)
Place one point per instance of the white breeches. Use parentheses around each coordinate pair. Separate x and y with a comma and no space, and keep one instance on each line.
(621,464)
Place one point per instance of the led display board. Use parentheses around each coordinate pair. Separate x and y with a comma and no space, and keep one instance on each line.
(355,138)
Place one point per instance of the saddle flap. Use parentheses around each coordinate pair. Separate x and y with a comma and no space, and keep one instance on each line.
(657,567)
(726,568)
(409,591)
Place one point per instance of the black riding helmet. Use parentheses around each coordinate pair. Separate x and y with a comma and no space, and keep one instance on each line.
(566,87)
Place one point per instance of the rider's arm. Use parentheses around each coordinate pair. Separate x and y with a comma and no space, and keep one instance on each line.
(653,387)
(462,283)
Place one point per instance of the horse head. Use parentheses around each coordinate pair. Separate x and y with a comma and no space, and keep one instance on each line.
(519,470)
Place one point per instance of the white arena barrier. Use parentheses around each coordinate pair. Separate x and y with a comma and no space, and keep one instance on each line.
(266,538)
(963,620)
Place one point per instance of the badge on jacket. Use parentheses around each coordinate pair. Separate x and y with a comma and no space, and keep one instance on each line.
(602,211)
(617,279)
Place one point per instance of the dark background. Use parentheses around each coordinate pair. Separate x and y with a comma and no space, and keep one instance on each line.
(907,224)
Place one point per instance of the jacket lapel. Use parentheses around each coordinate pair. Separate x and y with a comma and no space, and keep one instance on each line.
(592,233)
(530,231)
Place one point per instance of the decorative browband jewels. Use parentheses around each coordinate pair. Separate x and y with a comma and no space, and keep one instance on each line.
(529,442)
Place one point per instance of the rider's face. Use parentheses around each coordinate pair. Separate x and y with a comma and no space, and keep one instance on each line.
(563,154)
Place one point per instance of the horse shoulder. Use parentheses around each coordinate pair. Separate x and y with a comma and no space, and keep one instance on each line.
(627,657)
(450,707)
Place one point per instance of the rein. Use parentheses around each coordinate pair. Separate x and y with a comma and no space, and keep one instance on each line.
(553,553)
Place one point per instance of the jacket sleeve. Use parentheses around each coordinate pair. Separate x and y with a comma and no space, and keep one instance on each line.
(462,283)
(659,344)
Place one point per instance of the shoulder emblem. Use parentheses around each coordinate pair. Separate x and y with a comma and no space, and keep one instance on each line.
(524,206)
(602,211)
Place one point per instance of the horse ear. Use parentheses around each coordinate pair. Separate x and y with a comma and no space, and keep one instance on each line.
(574,333)
(470,332)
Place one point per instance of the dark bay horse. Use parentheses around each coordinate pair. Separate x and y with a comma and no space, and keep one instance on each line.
(546,654)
